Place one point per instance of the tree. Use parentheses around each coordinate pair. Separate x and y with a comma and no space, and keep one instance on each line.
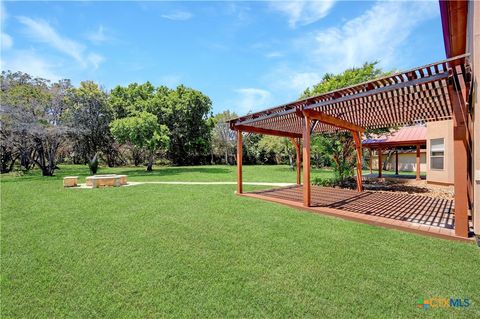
(91,115)
(223,138)
(34,110)
(276,149)
(189,126)
(184,111)
(143,131)
(339,146)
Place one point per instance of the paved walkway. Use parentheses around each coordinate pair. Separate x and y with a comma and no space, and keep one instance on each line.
(201,183)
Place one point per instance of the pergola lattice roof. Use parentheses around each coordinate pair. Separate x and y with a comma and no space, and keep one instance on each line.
(417,95)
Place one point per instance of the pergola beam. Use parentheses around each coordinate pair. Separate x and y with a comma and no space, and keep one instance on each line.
(259,130)
(334,121)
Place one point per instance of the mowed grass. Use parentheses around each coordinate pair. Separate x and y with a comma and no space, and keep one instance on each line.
(217,173)
(153,251)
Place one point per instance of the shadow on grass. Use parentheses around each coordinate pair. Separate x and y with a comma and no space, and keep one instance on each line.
(170,171)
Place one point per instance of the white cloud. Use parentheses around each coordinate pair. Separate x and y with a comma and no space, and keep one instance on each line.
(378,34)
(31,63)
(252,99)
(291,82)
(274,54)
(177,16)
(41,31)
(95,59)
(381,33)
(6,41)
(303,12)
(98,36)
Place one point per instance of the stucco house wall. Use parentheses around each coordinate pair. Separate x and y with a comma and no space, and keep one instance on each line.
(407,162)
(435,130)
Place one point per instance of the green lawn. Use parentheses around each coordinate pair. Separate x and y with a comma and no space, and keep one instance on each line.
(200,251)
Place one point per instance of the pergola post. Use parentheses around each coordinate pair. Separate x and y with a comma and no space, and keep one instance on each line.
(371,160)
(298,158)
(418,162)
(306,162)
(239,162)
(380,163)
(358,145)
(396,161)
(460,160)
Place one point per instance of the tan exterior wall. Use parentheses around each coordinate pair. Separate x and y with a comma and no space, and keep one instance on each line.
(441,129)
(473,47)
(407,162)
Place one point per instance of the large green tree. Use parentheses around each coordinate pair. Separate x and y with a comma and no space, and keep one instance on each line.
(189,126)
(142,130)
(184,111)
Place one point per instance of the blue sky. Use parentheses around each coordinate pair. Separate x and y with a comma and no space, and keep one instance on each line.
(244,55)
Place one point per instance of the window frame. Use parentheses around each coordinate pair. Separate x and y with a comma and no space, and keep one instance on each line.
(437,156)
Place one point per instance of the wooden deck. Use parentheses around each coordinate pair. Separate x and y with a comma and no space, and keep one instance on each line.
(414,213)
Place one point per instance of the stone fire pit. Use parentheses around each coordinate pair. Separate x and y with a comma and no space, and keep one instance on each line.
(106,180)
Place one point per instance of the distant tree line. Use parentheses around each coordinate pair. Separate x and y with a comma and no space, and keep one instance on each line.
(46,123)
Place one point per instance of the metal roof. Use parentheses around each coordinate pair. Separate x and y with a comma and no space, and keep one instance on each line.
(408,135)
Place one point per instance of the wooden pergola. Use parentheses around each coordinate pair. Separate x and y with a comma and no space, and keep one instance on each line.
(434,92)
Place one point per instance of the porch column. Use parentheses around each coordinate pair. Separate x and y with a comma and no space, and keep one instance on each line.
(371,160)
(358,145)
(380,163)
(306,162)
(418,162)
(296,143)
(460,160)
(239,162)
(299,162)
(396,162)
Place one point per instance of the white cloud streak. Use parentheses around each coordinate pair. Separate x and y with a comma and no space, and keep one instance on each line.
(6,41)
(178,16)
(98,36)
(381,34)
(31,63)
(252,99)
(42,32)
(303,12)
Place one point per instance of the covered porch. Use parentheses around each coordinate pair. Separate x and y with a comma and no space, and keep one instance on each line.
(429,93)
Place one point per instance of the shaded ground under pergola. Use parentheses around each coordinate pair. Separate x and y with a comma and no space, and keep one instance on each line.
(412,213)
(434,92)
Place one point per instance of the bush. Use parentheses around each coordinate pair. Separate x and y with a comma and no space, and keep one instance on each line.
(326,181)
(348,182)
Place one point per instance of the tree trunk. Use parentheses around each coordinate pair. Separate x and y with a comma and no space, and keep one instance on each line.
(151,159)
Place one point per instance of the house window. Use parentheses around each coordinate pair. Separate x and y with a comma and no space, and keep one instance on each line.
(437,152)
